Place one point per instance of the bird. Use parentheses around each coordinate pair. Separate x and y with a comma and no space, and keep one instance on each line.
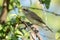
(35,19)
(32,15)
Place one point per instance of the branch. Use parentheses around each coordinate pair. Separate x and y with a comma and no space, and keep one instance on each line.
(34,32)
(3,15)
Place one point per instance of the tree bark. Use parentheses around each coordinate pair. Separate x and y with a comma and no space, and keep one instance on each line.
(3,15)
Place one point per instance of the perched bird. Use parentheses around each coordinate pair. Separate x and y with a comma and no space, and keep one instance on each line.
(32,16)
(35,19)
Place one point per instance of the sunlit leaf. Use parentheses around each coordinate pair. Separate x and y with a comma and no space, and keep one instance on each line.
(1,2)
(0,27)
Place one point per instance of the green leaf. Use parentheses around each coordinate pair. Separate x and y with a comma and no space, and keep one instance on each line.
(11,0)
(0,27)
(1,2)
(18,32)
(10,7)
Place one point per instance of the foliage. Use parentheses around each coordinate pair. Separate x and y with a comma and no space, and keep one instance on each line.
(9,31)
(46,2)
(16,23)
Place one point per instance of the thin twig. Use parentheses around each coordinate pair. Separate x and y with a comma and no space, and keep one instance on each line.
(39,37)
